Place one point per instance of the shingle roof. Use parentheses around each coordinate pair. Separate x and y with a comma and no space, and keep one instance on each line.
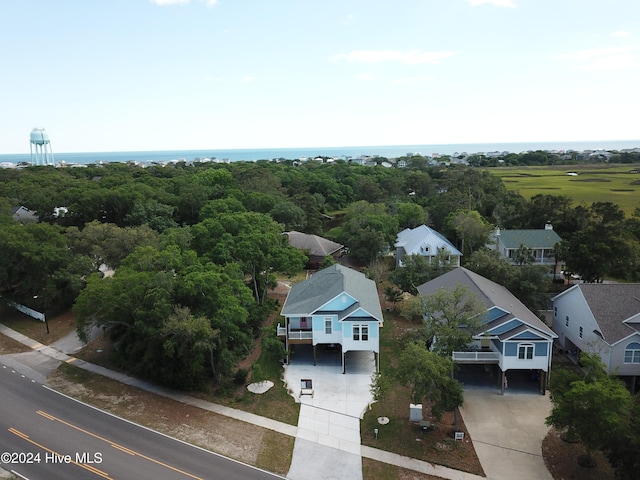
(539,238)
(612,304)
(412,239)
(490,294)
(308,296)
(316,246)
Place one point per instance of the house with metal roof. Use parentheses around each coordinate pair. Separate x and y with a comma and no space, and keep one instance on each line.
(538,246)
(510,336)
(426,242)
(602,318)
(336,306)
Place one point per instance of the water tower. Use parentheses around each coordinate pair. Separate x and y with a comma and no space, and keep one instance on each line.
(42,145)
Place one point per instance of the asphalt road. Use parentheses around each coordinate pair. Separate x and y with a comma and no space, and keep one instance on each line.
(46,435)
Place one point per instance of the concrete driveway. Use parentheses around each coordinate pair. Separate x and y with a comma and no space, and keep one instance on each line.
(328,442)
(507,432)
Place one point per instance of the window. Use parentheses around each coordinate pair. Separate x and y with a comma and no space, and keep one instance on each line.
(632,353)
(525,352)
(555,312)
(360,332)
(566,321)
(580,332)
(328,326)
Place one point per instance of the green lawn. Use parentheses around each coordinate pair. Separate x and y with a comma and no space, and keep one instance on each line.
(618,184)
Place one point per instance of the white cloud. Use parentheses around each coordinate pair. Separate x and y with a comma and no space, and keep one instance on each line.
(410,57)
(365,77)
(621,34)
(497,3)
(603,59)
(248,79)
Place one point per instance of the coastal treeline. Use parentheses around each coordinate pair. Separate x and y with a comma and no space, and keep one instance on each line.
(175,261)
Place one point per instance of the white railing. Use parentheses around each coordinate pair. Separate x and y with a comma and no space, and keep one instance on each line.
(478,357)
(301,335)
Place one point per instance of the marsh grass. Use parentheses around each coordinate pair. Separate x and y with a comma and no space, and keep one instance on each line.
(602,183)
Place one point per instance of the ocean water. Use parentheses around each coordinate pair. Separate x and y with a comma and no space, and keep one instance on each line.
(389,151)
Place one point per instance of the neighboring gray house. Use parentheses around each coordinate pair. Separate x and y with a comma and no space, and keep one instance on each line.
(316,248)
(24,215)
(604,319)
(424,241)
(511,337)
(540,243)
(335,306)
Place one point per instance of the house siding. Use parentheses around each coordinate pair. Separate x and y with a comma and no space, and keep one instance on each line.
(341,302)
(617,364)
(574,305)
(349,344)
(319,335)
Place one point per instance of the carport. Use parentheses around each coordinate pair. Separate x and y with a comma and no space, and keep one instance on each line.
(489,376)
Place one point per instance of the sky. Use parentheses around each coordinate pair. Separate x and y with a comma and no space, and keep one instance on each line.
(123,75)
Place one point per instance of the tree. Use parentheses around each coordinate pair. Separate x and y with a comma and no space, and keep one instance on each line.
(108,243)
(254,241)
(380,387)
(413,273)
(367,230)
(472,230)
(173,317)
(623,449)
(429,377)
(410,215)
(523,255)
(187,340)
(451,319)
(392,294)
(595,408)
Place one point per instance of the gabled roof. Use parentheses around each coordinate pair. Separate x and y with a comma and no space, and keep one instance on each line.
(316,246)
(539,238)
(309,296)
(23,214)
(490,294)
(413,239)
(611,304)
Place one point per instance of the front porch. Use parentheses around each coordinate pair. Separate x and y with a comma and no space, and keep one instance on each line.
(476,357)
(295,336)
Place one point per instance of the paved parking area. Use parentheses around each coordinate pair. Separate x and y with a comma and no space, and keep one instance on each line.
(328,441)
(507,432)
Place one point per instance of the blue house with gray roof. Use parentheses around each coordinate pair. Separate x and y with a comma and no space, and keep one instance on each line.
(511,336)
(335,306)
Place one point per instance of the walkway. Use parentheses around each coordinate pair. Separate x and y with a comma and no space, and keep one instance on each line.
(321,431)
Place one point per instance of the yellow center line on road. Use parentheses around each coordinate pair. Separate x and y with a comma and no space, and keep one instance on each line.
(117,446)
(89,468)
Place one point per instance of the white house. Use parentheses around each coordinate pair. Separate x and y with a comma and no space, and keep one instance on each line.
(426,242)
(604,319)
(511,336)
(335,306)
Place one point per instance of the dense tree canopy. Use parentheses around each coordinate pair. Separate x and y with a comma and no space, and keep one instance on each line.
(184,237)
